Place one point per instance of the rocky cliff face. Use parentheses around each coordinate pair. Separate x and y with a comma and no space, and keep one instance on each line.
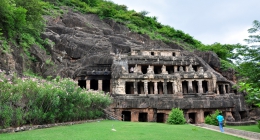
(77,40)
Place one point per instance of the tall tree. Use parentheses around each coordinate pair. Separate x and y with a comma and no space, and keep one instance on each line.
(249,69)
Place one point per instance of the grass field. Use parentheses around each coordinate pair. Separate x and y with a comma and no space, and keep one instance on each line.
(124,131)
(252,128)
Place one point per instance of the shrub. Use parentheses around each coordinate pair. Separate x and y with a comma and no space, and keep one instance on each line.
(212,118)
(176,117)
(38,101)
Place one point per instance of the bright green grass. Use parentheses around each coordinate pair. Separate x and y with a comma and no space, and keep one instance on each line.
(252,128)
(124,131)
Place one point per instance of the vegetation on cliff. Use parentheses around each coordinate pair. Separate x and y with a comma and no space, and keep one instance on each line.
(22,23)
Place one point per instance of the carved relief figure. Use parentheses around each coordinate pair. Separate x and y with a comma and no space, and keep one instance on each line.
(201,70)
(191,68)
(164,70)
(181,69)
(150,70)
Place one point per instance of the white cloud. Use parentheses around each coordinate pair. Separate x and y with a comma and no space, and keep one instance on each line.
(208,21)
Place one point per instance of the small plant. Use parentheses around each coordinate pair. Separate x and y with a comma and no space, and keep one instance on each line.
(176,117)
(212,118)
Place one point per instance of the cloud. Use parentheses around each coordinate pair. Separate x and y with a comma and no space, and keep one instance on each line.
(206,20)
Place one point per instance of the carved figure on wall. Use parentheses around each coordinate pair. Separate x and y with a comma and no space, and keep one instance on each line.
(131,70)
(201,70)
(181,69)
(150,70)
(191,68)
(164,70)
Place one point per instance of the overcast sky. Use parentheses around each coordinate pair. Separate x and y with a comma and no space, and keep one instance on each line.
(209,21)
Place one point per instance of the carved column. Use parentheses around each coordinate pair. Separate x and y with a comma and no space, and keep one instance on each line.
(155,88)
(175,68)
(145,87)
(200,90)
(100,85)
(190,89)
(135,88)
(88,84)
(224,89)
(174,87)
(165,87)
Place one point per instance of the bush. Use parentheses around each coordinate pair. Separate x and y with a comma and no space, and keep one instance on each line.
(38,101)
(212,118)
(176,117)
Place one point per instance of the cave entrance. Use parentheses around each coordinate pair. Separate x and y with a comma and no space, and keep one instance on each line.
(94,84)
(82,83)
(169,88)
(129,87)
(106,85)
(220,88)
(195,86)
(126,115)
(170,69)
(195,68)
(150,87)
(206,113)
(192,117)
(140,87)
(185,87)
(142,117)
(157,70)
(160,87)
(160,117)
(243,114)
(205,86)
(144,69)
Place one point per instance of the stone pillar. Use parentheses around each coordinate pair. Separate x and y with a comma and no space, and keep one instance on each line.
(224,89)
(135,88)
(200,90)
(99,85)
(145,87)
(227,89)
(187,68)
(174,87)
(155,88)
(165,87)
(175,68)
(190,89)
(88,84)
(200,116)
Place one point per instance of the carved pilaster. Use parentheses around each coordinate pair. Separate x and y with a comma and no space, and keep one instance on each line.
(155,88)
(88,84)
(165,87)
(200,90)
(190,89)
(135,88)
(145,87)
(100,85)
(175,68)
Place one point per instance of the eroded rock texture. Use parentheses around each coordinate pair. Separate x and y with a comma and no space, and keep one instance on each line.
(100,54)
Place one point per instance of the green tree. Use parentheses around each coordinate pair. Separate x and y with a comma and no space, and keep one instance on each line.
(249,69)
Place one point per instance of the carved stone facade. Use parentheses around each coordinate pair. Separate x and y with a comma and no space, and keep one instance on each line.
(147,83)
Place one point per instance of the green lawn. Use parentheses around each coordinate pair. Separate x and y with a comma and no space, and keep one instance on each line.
(252,128)
(124,131)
